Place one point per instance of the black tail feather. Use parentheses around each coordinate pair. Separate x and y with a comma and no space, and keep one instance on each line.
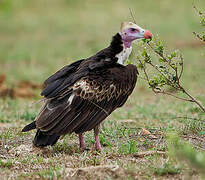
(42,139)
(29,127)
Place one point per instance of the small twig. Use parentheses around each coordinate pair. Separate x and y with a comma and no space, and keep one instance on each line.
(146,75)
(185,117)
(148,153)
(202,15)
(198,36)
(132,15)
(193,137)
(170,94)
(182,65)
(193,99)
(172,84)
(161,55)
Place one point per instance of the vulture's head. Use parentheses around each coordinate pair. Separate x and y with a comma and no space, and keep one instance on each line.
(130,32)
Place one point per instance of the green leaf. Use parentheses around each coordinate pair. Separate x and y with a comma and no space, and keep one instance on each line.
(147,57)
(201,133)
(159,49)
(173,54)
(161,60)
(128,61)
(144,53)
(140,65)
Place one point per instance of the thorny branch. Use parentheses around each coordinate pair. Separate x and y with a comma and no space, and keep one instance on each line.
(161,91)
(165,77)
(200,36)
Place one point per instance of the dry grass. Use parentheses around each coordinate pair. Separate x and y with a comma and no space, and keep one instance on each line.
(37,38)
(133,147)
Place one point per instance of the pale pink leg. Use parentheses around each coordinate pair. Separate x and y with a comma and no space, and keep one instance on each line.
(82,143)
(97,140)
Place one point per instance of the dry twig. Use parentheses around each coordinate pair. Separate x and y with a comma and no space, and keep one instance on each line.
(148,153)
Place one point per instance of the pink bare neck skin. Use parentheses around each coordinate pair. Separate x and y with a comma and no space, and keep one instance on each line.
(127,44)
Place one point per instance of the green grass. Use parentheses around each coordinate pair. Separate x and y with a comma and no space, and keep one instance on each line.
(166,169)
(39,37)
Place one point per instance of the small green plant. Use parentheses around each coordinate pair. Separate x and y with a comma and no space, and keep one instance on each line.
(166,169)
(200,36)
(6,163)
(166,73)
(128,148)
(105,141)
(51,173)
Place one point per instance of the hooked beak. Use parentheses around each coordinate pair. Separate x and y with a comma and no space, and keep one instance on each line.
(147,34)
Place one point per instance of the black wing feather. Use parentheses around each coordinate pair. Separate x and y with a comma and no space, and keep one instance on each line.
(60,80)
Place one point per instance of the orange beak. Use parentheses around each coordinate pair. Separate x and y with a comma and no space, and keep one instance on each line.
(147,35)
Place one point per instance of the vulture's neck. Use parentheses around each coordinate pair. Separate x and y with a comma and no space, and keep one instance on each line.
(120,49)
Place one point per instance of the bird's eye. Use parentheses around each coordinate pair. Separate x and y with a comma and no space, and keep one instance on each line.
(133,29)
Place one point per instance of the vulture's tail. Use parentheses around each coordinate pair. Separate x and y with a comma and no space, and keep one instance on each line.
(41,139)
(29,127)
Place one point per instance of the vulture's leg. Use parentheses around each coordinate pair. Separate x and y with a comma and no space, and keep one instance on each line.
(97,140)
(82,143)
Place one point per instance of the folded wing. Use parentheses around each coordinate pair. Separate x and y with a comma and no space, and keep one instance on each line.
(77,102)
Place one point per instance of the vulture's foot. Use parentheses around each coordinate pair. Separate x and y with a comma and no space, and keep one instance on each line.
(98,146)
(82,142)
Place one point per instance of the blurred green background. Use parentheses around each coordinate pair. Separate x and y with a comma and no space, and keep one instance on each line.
(39,37)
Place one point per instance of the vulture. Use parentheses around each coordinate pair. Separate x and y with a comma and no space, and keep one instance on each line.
(78,97)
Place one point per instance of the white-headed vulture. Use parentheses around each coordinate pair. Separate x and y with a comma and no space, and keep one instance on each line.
(81,95)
